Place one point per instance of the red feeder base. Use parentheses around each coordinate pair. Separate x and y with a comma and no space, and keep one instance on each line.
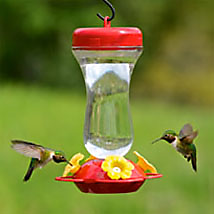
(92,179)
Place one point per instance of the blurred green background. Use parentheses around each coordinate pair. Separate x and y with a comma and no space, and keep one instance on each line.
(42,99)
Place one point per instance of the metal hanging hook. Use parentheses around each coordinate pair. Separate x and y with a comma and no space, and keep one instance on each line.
(112,10)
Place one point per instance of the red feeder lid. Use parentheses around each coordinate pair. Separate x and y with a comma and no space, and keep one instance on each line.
(107,38)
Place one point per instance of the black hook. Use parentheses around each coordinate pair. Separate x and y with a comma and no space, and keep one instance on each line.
(112,10)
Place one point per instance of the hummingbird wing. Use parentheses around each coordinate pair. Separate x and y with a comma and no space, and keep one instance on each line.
(28,149)
(188,139)
(191,137)
(185,131)
(187,135)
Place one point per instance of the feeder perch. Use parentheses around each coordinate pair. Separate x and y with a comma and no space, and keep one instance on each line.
(107,56)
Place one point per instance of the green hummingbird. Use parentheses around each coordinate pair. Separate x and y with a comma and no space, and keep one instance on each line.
(182,142)
(39,154)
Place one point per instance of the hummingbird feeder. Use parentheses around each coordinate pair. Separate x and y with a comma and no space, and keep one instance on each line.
(107,56)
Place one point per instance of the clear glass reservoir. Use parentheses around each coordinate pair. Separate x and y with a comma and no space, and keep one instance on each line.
(108,126)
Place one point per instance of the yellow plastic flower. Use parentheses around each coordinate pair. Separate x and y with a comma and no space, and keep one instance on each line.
(144,164)
(75,164)
(117,167)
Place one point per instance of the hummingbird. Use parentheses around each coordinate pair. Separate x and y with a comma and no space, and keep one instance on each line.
(40,155)
(182,142)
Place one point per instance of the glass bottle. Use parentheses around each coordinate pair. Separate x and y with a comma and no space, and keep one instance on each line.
(107,57)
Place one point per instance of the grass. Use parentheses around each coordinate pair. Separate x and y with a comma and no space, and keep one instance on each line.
(55,119)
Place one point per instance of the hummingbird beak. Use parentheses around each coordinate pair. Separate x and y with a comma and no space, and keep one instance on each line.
(157,140)
(68,162)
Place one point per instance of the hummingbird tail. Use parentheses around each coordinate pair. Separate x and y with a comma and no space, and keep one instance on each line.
(28,174)
(193,160)
(30,169)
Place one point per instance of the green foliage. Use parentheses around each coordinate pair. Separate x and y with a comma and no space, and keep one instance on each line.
(55,119)
(35,44)
(180,87)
